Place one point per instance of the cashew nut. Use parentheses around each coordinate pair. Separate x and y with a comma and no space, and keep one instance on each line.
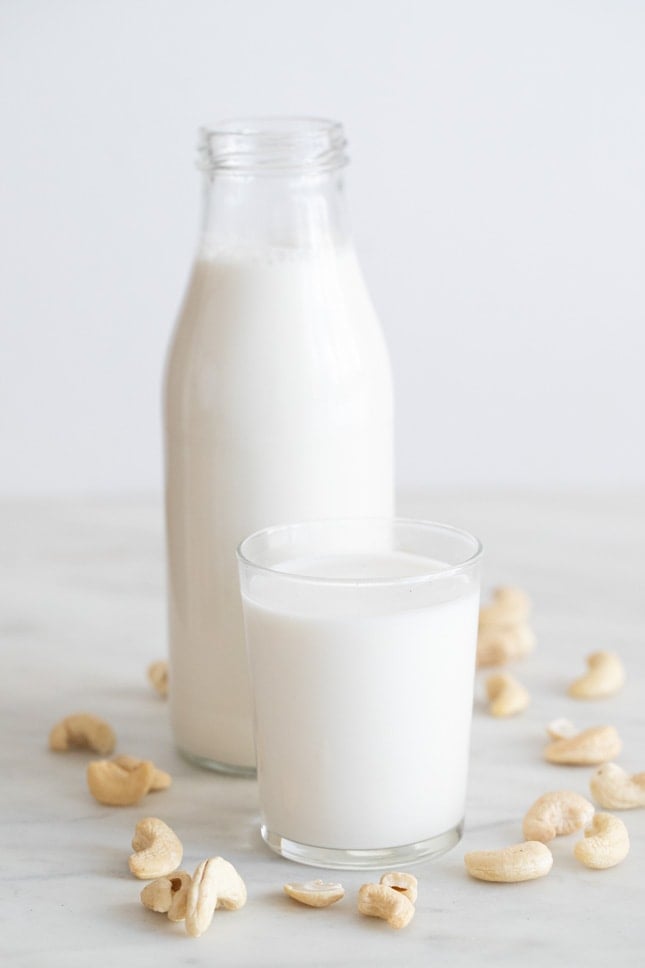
(605,843)
(116,786)
(401,882)
(167,895)
(379,901)
(160,779)
(556,814)
(510,606)
(591,746)
(615,789)
(504,633)
(497,645)
(521,862)
(507,696)
(605,676)
(158,676)
(315,893)
(158,849)
(561,728)
(82,731)
(216,884)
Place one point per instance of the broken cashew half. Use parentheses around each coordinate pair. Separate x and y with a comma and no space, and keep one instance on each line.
(157,849)
(158,676)
(605,676)
(506,695)
(160,779)
(556,814)
(380,901)
(587,748)
(521,862)
(605,843)
(215,884)
(124,780)
(82,731)
(615,789)
(315,893)
(168,895)
(403,883)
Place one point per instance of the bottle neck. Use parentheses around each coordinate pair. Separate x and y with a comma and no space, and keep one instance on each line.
(273,184)
(280,213)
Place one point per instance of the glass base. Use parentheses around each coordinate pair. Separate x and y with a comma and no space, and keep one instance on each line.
(362,860)
(207,764)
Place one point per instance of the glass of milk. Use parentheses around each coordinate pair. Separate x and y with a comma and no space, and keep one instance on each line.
(361,637)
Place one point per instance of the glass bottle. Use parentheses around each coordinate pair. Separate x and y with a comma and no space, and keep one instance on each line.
(277,401)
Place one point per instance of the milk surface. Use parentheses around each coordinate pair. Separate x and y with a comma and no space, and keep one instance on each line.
(278,408)
(363,710)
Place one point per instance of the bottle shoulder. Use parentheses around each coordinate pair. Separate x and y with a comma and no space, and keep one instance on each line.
(293,296)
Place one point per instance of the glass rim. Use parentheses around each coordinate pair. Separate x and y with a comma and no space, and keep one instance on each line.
(447,572)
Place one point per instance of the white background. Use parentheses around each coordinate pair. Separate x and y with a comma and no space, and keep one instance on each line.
(497,191)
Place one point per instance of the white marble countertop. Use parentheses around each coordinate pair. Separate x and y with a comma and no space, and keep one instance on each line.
(82,615)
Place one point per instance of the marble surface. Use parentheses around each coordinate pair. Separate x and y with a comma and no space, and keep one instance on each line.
(82,615)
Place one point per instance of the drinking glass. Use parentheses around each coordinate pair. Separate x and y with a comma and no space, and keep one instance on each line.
(361,638)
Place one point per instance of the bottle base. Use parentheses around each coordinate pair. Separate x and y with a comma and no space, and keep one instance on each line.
(216,766)
(362,860)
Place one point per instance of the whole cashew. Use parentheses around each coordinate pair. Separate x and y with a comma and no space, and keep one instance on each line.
(82,731)
(605,677)
(158,849)
(605,844)
(507,696)
(315,893)
(556,814)
(521,862)
(116,786)
(379,901)
(160,779)
(216,884)
(615,789)
(168,895)
(158,676)
(402,882)
(591,746)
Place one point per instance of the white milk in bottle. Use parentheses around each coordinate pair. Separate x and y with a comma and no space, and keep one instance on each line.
(277,401)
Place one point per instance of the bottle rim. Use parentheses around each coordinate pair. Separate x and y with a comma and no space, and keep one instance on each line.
(272,145)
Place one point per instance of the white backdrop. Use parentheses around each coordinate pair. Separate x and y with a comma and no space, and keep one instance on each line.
(497,190)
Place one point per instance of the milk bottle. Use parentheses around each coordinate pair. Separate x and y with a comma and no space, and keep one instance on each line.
(277,401)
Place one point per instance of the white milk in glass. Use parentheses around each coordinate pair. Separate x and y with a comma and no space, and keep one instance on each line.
(363,702)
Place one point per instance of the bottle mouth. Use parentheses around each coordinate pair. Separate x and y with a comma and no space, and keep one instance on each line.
(273,145)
